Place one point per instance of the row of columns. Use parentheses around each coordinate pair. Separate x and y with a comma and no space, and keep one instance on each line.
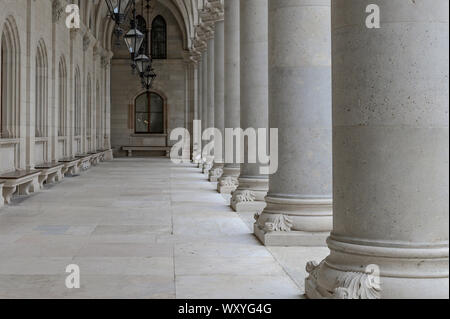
(362,134)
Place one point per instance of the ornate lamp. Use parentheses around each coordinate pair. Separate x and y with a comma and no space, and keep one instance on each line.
(118,11)
(143,63)
(147,79)
(134,39)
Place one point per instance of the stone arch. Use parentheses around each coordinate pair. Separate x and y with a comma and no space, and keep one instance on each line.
(41,90)
(10,87)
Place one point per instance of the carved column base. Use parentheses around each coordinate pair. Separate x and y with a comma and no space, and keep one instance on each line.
(215,172)
(294,222)
(229,181)
(249,196)
(206,167)
(376,269)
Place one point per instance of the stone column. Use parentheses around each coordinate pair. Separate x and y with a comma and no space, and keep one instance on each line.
(299,201)
(204,99)
(196,155)
(229,180)
(390,154)
(187,106)
(219,96)
(253,185)
(210,97)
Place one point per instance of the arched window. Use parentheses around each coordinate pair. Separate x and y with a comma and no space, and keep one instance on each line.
(141,25)
(77,95)
(159,38)
(89,112)
(41,93)
(62,98)
(149,114)
(98,116)
(9,81)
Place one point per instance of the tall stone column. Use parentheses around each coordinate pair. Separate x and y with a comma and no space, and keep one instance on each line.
(253,185)
(219,99)
(229,180)
(299,201)
(210,97)
(196,156)
(204,99)
(390,154)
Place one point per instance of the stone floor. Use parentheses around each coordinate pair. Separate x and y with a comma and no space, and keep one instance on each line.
(141,228)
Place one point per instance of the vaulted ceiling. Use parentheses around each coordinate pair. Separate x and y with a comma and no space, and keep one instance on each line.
(186,12)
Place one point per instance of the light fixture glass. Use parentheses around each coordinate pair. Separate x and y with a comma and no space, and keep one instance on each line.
(143,63)
(148,77)
(134,39)
(119,9)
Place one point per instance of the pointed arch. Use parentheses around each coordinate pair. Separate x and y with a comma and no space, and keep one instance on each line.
(62,97)
(98,116)
(9,79)
(89,114)
(41,90)
(159,38)
(77,102)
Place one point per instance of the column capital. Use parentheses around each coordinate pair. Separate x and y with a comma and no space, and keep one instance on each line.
(212,12)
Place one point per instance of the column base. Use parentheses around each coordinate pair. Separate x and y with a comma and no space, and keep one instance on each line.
(229,181)
(290,221)
(290,239)
(371,271)
(206,167)
(227,185)
(249,196)
(256,206)
(215,172)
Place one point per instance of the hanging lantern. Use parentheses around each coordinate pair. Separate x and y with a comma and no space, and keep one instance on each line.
(143,63)
(134,39)
(119,9)
(147,79)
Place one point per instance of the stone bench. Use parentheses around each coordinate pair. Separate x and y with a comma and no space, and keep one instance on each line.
(130,149)
(84,161)
(70,165)
(2,201)
(23,181)
(97,157)
(50,173)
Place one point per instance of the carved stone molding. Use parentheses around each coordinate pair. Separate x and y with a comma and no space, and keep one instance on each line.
(349,285)
(86,42)
(57,10)
(243,196)
(229,181)
(280,222)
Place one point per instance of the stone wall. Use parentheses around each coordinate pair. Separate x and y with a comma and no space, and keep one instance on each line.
(42,22)
(170,84)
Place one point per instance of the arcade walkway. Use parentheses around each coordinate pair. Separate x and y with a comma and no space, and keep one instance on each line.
(141,228)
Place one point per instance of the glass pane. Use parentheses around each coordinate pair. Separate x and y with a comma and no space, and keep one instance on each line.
(141,103)
(157,123)
(156,103)
(141,122)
